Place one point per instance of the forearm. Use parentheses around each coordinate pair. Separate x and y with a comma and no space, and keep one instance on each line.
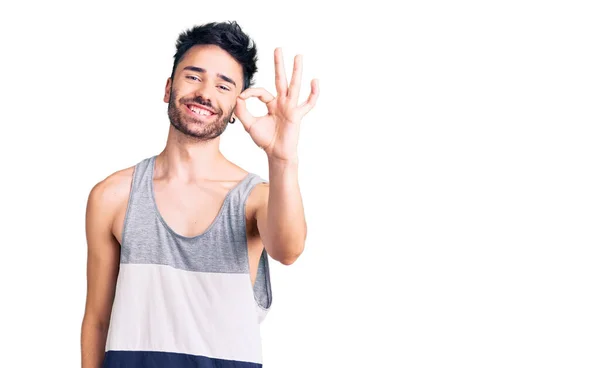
(286,225)
(93,342)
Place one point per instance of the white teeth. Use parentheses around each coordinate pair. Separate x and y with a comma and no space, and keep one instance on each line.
(199,111)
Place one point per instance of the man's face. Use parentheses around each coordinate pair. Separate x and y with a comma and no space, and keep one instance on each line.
(202,94)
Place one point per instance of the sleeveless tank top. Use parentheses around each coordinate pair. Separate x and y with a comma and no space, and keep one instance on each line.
(186,301)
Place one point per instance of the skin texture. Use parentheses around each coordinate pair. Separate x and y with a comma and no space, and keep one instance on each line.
(192,177)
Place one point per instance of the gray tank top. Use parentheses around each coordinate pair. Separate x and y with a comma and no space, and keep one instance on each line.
(186,301)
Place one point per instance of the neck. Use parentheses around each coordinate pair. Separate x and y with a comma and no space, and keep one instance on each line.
(189,159)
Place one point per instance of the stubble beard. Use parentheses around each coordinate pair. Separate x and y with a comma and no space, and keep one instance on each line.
(193,128)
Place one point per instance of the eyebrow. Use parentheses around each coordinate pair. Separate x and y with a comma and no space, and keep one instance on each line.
(202,70)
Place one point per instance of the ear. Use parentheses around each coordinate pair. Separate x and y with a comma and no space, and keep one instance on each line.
(167,96)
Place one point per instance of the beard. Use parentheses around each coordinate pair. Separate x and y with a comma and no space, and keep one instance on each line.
(194,128)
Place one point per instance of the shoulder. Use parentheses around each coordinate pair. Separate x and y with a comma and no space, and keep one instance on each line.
(109,194)
(257,199)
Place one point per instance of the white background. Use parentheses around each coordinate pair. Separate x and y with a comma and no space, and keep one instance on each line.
(450,173)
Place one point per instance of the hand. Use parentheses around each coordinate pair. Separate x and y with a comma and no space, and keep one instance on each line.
(277,132)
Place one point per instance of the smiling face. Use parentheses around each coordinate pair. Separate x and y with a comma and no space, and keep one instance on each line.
(203,91)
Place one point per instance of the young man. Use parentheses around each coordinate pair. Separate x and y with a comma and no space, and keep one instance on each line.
(178,271)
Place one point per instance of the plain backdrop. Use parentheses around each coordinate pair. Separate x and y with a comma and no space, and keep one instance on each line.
(450,173)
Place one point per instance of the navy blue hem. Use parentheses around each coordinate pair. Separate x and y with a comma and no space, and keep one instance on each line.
(154,359)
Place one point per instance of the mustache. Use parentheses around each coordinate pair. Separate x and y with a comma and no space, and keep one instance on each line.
(200,101)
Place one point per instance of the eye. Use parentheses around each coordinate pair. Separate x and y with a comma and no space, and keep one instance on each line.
(193,77)
(224,88)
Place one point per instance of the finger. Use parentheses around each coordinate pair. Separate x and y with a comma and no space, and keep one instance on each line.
(280,77)
(294,89)
(312,99)
(241,111)
(260,93)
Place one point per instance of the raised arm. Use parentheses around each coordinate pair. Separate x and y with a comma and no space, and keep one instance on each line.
(280,214)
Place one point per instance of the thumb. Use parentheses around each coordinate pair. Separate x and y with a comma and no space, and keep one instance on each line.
(241,111)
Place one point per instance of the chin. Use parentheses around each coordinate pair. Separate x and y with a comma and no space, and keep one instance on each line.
(200,131)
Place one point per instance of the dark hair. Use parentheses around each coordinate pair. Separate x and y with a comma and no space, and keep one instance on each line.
(228,36)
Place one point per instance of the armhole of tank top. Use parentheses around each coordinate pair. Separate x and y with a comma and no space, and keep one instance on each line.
(128,208)
(264,261)
(264,258)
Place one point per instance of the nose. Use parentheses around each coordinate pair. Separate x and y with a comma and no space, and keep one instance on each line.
(203,92)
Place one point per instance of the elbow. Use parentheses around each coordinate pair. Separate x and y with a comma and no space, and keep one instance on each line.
(291,256)
(93,324)
(288,260)
(288,251)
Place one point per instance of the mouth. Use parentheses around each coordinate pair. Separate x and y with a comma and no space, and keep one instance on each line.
(200,112)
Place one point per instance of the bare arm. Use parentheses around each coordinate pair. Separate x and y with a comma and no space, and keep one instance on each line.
(280,215)
(102,270)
